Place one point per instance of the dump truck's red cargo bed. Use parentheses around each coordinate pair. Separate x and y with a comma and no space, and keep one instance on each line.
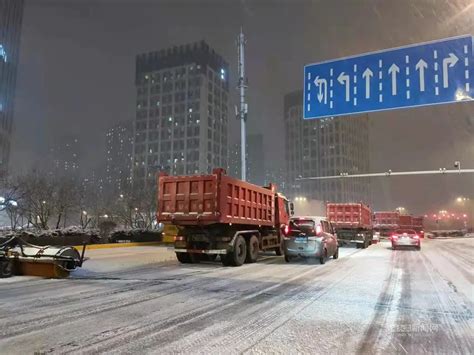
(214,198)
(406,221)
(418,222)
(349,215)
(386,219)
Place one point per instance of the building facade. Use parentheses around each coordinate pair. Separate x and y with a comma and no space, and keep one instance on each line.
(11,14)
(325,147)
(119,150)
(181,112)
(64,156)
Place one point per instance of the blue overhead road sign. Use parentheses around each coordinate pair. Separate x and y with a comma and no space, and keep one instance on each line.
(422,74)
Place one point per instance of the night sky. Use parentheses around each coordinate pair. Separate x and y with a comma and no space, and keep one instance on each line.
(76,75)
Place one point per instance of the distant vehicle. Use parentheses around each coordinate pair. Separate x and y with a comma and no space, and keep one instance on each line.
(219,215)
(352,222)
(386,222)
(310,237)
(376,238)
(405,238)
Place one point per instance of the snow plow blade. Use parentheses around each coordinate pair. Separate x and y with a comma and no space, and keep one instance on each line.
(18,257)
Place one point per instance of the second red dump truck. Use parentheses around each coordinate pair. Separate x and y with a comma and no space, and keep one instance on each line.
(353,223)
(220,215)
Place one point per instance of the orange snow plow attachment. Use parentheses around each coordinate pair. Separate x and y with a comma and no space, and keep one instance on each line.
(18,257)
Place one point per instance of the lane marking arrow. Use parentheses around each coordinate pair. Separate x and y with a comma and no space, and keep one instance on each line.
(394,69)
(344,80)
(451,61)
(320,83)
(421,66)
(366,75)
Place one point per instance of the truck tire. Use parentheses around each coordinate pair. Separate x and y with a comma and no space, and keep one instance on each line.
(6,269)
(184,258)
(252,250)
(237,257)
(287,258)
(365,244)
(336,254)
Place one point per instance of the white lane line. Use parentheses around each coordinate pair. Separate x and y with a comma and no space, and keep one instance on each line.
(380,98)
(408,83)
(408,94)
(467,87)
(436,91)
(435,54)
(465,49)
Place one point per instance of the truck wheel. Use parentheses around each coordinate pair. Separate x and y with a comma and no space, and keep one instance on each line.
(287,258)
(336,254)
(184,258)
(364,245)
(237,257)
(252,250)
(6,269)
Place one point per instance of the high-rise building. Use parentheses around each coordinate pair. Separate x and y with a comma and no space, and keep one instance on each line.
(255,160)
(325,147)
(119,149)
(64,155)
(11,14)
(234,161)
(181,112)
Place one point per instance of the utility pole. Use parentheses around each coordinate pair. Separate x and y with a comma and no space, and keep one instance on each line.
(242,114)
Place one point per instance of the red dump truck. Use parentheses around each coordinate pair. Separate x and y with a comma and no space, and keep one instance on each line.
(417,223)
(386,222)
(220,215)
(406,221)
(353,223)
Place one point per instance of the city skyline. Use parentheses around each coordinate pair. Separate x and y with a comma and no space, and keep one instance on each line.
(432,137)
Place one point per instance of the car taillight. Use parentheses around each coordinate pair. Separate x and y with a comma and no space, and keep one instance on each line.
(416,236)
(286,230)
(178,238)
(319,229)
(394,236)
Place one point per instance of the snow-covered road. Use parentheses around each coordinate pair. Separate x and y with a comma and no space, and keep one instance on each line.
(140,300)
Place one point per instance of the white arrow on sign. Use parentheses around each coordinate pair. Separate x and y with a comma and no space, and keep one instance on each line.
(344,80)
(421,66)
(320,83)
(366,75)
(451,60)
(394,69)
